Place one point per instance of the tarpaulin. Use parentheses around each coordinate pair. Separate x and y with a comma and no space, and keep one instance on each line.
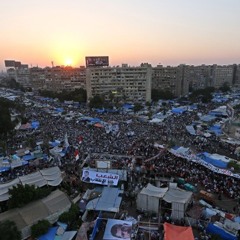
(173,232)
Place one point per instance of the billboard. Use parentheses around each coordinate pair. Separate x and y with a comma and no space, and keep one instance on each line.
(100,177)
(18,64)
(117,229)
(97,61)
(9,63)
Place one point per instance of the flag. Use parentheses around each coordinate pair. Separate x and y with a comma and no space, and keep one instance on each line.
(76,154)
(80,139)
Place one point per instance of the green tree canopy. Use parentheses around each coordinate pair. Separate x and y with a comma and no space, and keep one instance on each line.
(9,231)
(96,102)
(78,95)
(21,195)
(40,228)
(225,87)
(71,217)
(158,94)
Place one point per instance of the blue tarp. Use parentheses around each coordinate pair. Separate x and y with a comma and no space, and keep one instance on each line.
(207,118)
(191,129)
(4,169)
(128,106)
(50,235)
(216,129)
(55,143)
(59,110)
(28,157)
(35,124)
(213,229)
(215,162)
(178,110)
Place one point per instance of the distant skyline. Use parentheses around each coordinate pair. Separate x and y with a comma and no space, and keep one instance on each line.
(167,32)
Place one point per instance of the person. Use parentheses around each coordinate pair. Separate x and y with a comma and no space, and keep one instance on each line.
(86,177)
(121,231)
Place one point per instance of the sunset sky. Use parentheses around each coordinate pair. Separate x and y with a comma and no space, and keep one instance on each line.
(170,32)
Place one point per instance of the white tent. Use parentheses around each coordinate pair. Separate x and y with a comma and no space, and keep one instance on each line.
(179,199)
(148,198)
(49,176)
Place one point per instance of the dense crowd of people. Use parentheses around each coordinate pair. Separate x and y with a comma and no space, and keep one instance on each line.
(135,152)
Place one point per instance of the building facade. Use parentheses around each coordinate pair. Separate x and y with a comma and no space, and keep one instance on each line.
(128,83)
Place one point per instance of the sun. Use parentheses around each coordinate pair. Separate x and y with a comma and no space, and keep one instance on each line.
(68,62)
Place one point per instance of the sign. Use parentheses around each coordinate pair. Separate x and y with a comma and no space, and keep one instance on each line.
(100,177)
(117,229)
(97,61)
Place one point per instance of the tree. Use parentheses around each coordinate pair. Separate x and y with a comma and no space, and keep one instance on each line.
(9,231)
(137,107)
(21,195)
(71,217)
(225,87)
(158,94)
(40,228)
(96,102)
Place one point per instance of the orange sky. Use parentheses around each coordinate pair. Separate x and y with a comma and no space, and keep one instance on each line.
(155,31)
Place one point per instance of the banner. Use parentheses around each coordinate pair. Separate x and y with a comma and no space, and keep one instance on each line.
(100,177)
(117,229)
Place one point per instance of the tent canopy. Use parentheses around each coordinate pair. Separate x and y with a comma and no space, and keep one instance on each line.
(109,201)
(173,232)
(177,195)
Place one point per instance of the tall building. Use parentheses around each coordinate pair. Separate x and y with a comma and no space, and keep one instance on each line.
(128,83)
(173,79)
(222,74)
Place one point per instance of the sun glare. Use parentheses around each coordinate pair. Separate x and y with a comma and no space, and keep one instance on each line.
(68,62)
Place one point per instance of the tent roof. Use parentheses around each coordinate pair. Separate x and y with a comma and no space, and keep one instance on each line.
(173,232)
(50,176)
(109,200)
(54,204)
(153,191)
(177,195)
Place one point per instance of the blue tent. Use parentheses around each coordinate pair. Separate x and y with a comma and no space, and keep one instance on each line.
(178,110)
(213,229)
(207,118)
(50,235)
(59,110)
(28,157)
(215,162)
(100,110)
(55,143)
(4,169)
(35,124)
(128,106)
(216,129)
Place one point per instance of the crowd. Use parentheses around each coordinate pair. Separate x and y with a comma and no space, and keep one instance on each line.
(135,152)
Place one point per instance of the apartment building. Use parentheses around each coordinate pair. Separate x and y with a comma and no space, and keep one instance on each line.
(125,82)
(199,77)
(222,74)
(173,79)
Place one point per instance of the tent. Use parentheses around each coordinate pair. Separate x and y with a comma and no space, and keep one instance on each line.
(50,208)
(173,232)
(178,110)
(49,176)
(179,199)
(191,129)
(109,201)
(216,129)
(214,159)
(148,198)
(214,229)
(50,235)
